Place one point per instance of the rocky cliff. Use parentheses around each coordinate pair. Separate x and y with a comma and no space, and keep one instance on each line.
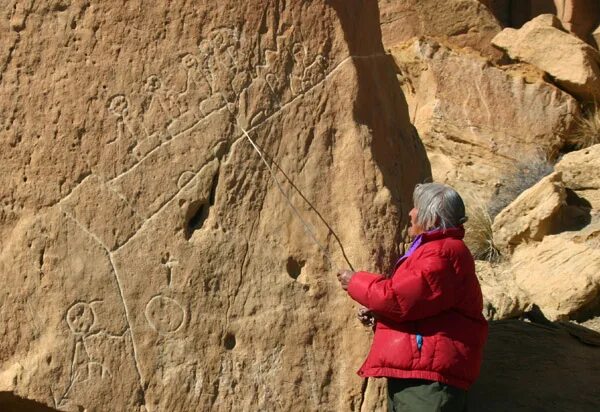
(180,182)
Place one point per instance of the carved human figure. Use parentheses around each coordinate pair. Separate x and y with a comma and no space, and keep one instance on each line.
(297,76)
(224,66)
(161,111)
(314,73)
(80,318)
(128,129)
(197,87)
(161,106)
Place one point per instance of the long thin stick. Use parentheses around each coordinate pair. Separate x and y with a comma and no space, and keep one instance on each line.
(307,226)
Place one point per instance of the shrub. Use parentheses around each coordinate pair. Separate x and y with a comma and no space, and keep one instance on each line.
(478,231)
(587,129)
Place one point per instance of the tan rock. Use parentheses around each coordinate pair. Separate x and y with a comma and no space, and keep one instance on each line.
(561,273)
(573,64)
(581,173)
(596,37)
(502,298)
(532,215)
(522,358)
(476,120)
(578,16)
(464,23)
(150,261)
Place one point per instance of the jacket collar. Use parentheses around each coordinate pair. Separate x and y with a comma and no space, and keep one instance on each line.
(457,232)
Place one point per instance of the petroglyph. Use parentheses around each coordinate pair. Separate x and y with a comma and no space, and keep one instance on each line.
(164,314)
(80,318)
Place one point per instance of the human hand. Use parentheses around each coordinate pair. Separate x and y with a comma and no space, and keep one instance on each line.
(344,277)
(365,316)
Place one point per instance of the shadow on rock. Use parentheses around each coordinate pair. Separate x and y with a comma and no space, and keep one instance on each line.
(529,366)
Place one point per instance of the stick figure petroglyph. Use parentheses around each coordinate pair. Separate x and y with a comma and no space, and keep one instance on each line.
(81,318)
(197,87)
(127,128)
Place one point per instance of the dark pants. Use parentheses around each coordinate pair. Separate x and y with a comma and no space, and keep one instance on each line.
(418,395)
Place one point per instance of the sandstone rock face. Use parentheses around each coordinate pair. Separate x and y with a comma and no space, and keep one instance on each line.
(596,37)
(580,172)
(150,259)
(502,298)
(578,16)
(531,216)
(531,367)
(465,23)
(476,120)
(573,64)
(560,274)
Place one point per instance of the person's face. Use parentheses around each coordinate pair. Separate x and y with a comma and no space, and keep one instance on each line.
(414,228)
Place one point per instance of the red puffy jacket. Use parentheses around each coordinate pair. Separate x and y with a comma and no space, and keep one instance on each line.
(429,320)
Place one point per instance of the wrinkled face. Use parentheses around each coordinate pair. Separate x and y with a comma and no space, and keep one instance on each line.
(414,228)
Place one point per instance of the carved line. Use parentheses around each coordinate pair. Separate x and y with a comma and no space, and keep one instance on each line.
(120,288)
(331,72)
(164,205)
(165,143)
(179,305)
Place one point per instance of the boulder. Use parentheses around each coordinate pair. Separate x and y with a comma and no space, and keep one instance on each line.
(560,273)
(163,173)
(596,37)
(502,298)
(464,23)
(574,65)
(532,215)
(580,17)
(477,120)
(580,173)
(532,367)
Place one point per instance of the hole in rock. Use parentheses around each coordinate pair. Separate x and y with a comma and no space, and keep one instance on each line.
(229,341)
(574,215)
(198,211)
(9,402)
(294,267)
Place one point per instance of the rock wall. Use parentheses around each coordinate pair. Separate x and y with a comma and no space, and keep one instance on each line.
(157,259)
(464,23)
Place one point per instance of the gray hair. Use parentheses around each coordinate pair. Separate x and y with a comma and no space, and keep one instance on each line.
(439,206)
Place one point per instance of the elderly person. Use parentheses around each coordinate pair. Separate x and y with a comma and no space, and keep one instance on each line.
(429,329)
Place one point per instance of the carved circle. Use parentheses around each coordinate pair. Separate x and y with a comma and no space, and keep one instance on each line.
(80,317)
(165,315)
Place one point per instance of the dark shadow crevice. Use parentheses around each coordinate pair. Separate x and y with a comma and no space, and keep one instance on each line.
(9,402)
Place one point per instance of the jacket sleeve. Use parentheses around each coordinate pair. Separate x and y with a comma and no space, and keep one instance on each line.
(426,289)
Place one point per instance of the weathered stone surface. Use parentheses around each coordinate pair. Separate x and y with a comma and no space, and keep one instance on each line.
(465,23)
(150,261)
(561,273)
(578,16)
(476,120)
(531,367)
(581,173)
(502,298)
(573,64)
(596,37)
(532,215)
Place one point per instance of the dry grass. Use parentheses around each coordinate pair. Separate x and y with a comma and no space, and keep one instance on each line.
(587,131)
(478,231)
